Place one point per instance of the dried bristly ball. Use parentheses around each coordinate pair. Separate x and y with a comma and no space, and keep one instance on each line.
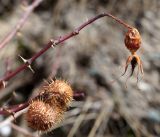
(132,40)
(42,117)
(59,94)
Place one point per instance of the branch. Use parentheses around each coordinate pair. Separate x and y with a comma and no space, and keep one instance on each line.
(23,130)
(20,24)
(11,110)
(11,118)
(53,43)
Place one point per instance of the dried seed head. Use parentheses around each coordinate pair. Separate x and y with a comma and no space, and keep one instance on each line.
(42,117)
(132,40)
(59,94)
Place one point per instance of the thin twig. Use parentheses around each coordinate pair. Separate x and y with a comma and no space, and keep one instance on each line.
(80,117)
(13,109)
(20,24)
(97,122)
(53,43)
(12,87)
(132,120)
(22,130)
(11,118)
(103,114)
(68,121)
(16,108)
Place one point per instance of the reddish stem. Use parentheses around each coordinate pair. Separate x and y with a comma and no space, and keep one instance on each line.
(78,96)
(61,39)
(15,108)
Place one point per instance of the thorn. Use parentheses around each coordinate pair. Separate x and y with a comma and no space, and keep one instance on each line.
(14,94)
(24,60)
(59,37)
(86,19)
(50,79)
(24,5)
(53,46)
(19,34)
(31,69)
(4,83)
(76,31)
(45,81)
(52,40)
(54,43)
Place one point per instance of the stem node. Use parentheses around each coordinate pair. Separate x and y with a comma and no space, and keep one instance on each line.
(76,32)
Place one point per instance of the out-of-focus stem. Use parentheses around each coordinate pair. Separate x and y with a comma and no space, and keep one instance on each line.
(20,24)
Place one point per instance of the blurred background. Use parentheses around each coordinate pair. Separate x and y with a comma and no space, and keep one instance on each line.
(89,62)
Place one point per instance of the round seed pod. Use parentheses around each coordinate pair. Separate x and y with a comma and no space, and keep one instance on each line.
(42,117)
(59,94)
(132,40)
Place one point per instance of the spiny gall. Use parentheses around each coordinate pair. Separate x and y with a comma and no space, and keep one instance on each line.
(59,93)
(42,117)
(48,108)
